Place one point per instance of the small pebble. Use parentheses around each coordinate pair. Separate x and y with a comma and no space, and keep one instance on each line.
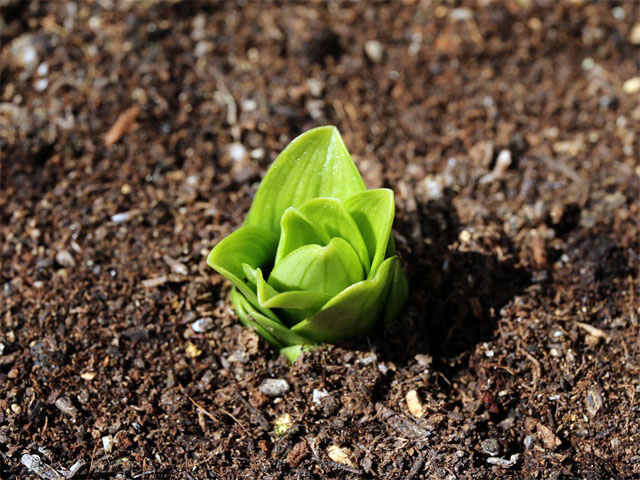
(318,395)
(107,443)
(315,87)
(257,153)
(24,52)
(464,236)
(274,387)
(430,188)
(368,359)
(66,407)
(490,446)
(203,48)
(83,396)
(64,258)
(423,360)
(15,408)
(95,23)
(41,84)
(43,69)
(374,50)
(237,152)
(588,63)
(634,36)
(618,13)
(461,15)
(121,217)
(631,86)
(202,325)
(528,441)
(249,105)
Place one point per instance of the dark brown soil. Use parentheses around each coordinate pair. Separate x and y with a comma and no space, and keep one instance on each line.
(521,336)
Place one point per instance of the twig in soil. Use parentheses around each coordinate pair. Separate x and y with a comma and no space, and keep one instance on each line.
(205,412)
(121,125)
(537,369)
(510,371)
(264,423)
(314,452)
(230,415)
(37,466)
(560,167)
(343,467)
(403,425)
(144,473)
(415,467)
(232,110)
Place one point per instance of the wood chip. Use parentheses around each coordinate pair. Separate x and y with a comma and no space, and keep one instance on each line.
(37,466)
(414,404)
(121,125)
(593,331)
(549,440)
(340,455)
(66,407)
(154,282)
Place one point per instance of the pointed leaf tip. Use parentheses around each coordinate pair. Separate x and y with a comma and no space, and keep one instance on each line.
(314,164)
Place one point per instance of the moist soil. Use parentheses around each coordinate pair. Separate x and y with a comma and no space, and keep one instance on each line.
(134,135)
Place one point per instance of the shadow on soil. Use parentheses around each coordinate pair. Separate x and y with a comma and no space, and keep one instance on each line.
(455,297)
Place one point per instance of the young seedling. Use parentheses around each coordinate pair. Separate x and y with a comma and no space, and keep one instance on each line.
(315,259)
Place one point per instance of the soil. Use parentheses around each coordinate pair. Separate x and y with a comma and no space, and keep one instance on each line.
(133,137)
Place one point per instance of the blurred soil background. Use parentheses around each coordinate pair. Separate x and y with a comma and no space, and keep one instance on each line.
(133,136)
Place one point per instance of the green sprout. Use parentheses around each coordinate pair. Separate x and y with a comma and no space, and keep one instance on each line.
(315,259)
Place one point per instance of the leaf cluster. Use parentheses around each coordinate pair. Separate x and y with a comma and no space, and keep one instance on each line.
(314,260)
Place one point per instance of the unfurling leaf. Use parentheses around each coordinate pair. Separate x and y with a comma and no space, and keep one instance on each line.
(314,260)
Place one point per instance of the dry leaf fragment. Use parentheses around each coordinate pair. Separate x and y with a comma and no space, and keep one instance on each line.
(192,350)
